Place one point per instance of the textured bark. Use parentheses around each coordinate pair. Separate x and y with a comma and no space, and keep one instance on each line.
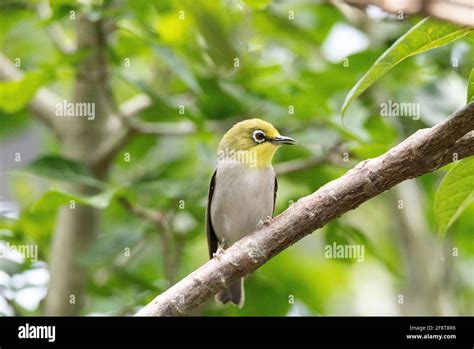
(423,152)
(80,137)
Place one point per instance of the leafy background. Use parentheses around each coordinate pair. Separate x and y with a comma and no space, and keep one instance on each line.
(307,65)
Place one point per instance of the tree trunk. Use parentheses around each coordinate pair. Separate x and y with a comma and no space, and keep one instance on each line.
(77,227)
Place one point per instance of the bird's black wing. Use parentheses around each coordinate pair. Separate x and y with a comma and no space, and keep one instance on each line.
(211,235)
(275,189)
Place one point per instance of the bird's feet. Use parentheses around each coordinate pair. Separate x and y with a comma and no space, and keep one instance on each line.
(219,252)
(268,220)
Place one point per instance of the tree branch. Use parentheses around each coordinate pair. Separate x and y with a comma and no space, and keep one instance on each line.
(153,216)
(135,105)
(459,11)
(423,152)
(129,126)
(162,128)
(120,134)
(159,219)
(306,164)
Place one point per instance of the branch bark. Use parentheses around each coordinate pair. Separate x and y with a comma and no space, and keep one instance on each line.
(423,152)
(460,11)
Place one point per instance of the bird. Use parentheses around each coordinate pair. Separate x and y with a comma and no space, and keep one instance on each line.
(242,192)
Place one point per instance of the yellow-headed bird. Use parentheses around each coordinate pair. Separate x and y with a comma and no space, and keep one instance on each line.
(243,190)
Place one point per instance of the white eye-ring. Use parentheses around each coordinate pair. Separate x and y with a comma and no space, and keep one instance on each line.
(258,136)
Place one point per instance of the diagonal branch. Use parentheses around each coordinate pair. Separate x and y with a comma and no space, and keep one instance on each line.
(130,109)
(291,166)
(128,125)
(160,220)
(153,216)
(423,152)
(181,128)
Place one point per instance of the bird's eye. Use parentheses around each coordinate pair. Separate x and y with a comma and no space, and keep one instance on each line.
(258,136)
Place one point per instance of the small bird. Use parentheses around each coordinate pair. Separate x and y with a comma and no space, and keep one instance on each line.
(242,192)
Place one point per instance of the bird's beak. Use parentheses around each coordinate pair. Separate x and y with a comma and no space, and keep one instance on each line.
(283,140)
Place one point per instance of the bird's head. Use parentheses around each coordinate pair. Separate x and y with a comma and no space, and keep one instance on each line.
(252,141)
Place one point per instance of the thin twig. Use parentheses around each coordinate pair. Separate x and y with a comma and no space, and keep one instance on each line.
(306,164)
(158,219)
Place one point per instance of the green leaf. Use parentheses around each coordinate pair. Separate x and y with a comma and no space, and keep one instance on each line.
(425,35)
(257,4)
(58,168)
(470,87)
(454,194)
(15,94)
(55,198)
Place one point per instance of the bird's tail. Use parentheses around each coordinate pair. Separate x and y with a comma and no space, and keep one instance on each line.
(235,294)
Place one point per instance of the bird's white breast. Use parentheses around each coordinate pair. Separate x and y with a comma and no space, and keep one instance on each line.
(242,198)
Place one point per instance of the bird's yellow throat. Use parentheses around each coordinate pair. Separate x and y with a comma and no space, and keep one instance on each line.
(256,157)
(264,154)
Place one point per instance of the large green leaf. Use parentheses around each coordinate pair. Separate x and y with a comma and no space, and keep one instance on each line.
(15,94)
(454,194)
(425,35)
(58,168)
(54,198)
(470,87)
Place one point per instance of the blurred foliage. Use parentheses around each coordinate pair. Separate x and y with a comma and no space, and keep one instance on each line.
(225,61)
